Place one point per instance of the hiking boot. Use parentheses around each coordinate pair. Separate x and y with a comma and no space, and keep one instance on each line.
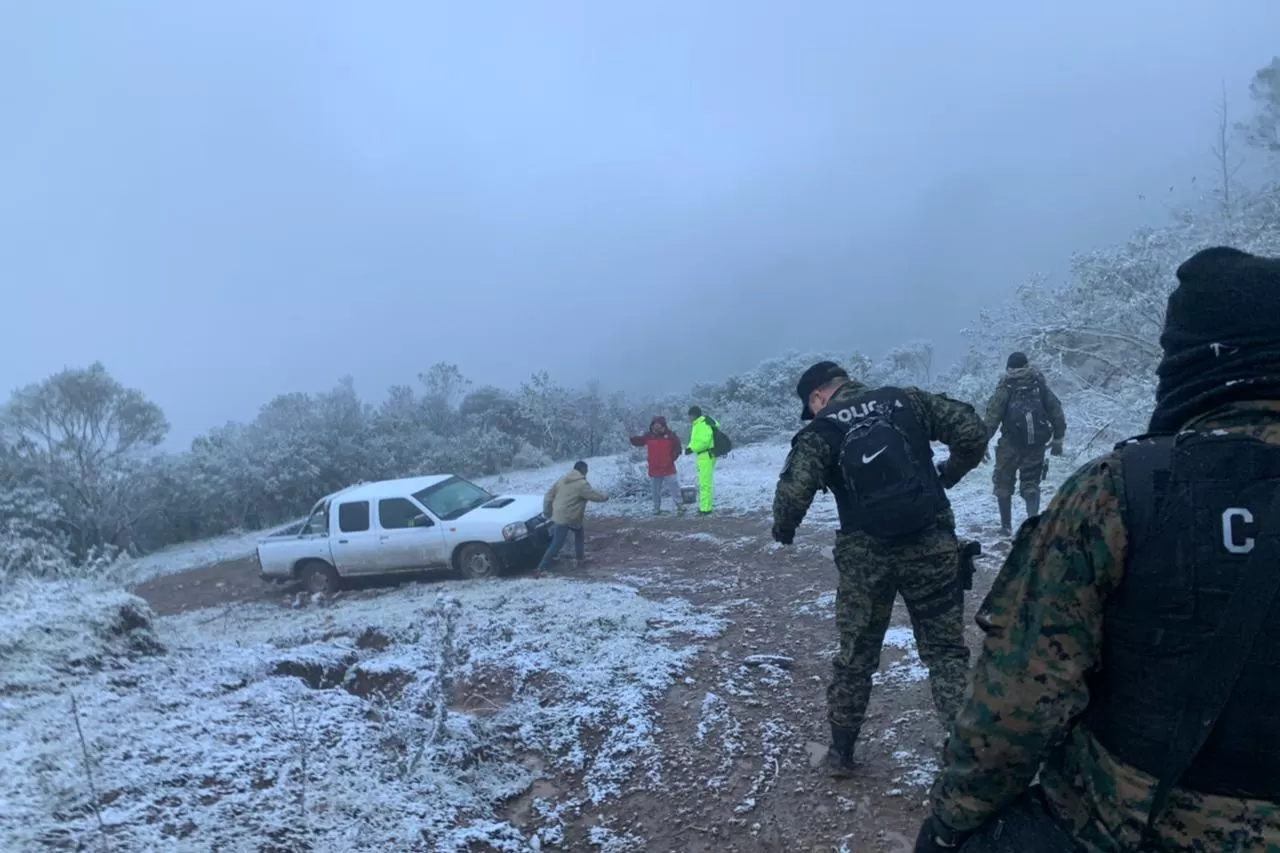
(704,512)
(1006,514)
(839,760)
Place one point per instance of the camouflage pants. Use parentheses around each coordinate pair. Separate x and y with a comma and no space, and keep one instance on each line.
(1023,466)
(870,577)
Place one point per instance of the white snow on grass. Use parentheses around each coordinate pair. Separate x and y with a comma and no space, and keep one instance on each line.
(350,727)
(194,555)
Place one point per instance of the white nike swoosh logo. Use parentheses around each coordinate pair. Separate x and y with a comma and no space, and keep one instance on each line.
(866,459)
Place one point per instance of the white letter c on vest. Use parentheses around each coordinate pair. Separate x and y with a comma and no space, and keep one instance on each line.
(1228,538)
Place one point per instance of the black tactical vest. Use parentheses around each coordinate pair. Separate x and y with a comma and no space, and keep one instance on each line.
(831,424)
(1195,518)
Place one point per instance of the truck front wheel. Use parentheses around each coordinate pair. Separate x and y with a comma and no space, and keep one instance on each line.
(478,561)
(318,576)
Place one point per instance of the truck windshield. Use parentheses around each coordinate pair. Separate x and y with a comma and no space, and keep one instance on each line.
(452,499)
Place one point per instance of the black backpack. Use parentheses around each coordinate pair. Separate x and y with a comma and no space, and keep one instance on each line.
(721,445)
(893,491)
(1026,422)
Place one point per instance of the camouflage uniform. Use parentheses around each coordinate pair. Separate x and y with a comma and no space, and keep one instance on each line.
(1023,466)
(1043,621)
(872,573)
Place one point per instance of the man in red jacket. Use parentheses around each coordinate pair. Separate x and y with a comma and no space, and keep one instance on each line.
(664,449)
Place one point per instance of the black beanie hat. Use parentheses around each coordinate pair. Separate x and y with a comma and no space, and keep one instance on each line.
(813,379)
(1016,360)
(1221,337)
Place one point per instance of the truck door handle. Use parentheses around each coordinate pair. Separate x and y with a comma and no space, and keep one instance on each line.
(384,538)
(342,542)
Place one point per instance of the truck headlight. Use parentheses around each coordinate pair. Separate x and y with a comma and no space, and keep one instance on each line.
(514,531)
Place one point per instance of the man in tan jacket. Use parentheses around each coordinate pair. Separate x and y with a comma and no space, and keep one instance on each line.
(566,504)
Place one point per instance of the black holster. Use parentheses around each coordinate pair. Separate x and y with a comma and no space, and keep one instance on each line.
(968,551)
(1025,826)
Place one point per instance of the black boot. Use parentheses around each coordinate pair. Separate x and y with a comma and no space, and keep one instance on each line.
(1006,514)
(1033,504)
(840,753)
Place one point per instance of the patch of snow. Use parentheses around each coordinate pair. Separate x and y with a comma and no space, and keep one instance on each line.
(774,735)
(717,715)
(276,730)
(196,555)
(917,771)
(909,669)
(610,841)
(824,605)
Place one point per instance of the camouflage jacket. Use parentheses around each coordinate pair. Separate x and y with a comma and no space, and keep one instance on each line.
(1000,400)
(1043,626)
(811,459)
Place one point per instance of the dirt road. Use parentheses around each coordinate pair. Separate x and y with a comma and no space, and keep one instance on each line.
(742,736)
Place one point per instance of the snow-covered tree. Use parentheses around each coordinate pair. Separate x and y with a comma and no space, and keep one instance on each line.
(1262,130)
(85,438)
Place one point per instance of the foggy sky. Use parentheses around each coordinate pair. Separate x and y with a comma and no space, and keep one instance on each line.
(227,200)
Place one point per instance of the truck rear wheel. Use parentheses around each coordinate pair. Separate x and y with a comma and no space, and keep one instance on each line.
(478,561)
(319,576)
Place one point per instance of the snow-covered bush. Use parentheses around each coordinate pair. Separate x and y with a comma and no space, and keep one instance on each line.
(53,630)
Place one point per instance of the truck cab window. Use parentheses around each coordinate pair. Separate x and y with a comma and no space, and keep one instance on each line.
(397,513)
(353,517)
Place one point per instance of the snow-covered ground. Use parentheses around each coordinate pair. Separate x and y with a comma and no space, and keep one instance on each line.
(193,555)
(214,732)
(198,731)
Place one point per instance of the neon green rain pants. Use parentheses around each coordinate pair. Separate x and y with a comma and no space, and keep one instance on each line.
(706,481)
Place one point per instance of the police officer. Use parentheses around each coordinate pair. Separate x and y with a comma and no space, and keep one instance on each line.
(1132,650)
(1029,418)
(871,448)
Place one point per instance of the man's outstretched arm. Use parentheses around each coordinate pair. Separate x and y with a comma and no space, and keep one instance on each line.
(802,476)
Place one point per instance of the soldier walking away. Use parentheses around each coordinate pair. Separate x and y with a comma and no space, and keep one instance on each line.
(1132,649)
(870,448)
(565,503)
(663,447)
(707,444)
(1029,417)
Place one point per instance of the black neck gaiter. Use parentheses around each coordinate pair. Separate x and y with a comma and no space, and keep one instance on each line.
(1221,338)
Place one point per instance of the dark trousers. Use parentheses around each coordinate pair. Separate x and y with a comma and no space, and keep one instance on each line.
(560,533)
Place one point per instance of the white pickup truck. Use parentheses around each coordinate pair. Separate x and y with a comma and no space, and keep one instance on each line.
(407,525)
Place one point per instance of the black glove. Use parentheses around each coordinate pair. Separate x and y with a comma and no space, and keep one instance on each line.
(783,536)
(947,480)
(1055,448)
(936,837)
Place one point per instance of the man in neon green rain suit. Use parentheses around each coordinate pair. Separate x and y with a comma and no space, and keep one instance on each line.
(702,439)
